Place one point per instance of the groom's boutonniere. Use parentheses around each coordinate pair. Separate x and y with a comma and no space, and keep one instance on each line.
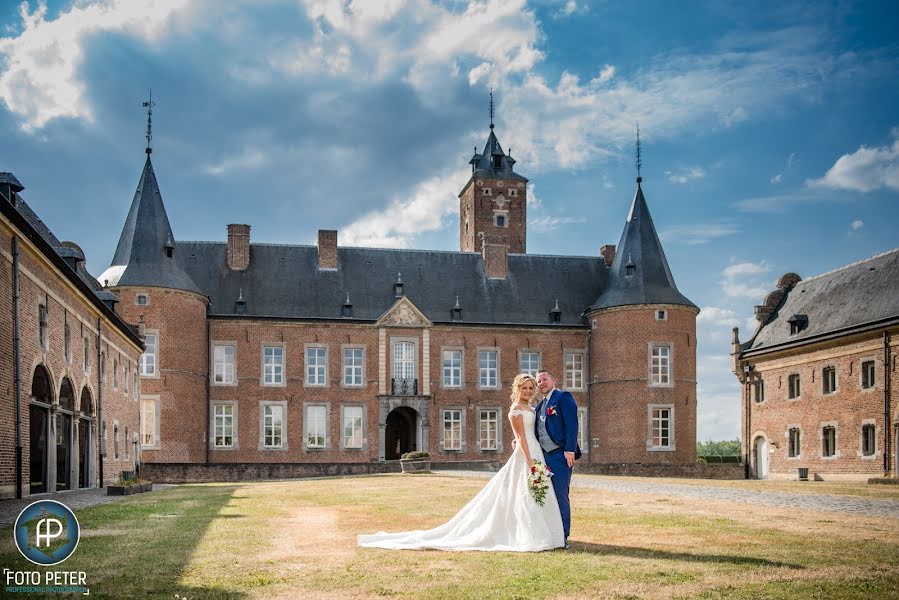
(552,411)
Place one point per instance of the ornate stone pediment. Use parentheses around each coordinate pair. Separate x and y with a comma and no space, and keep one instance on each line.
(404,314)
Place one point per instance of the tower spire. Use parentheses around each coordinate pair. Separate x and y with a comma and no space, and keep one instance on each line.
(491,107)
(149,104)
(639,154)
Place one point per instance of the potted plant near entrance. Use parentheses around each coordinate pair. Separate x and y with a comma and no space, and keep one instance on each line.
(416,462)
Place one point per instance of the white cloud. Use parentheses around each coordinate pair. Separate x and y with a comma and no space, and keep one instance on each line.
(864,170)
(606,74)
(715,316)
(248,159)
(699,233)
(551,223)
(737,115)
(534,201)
(777,178)
(571,7)
(857,225)
(685,175)
(40,82)
(791,160)
(746,279)
(781,203)
(396,226)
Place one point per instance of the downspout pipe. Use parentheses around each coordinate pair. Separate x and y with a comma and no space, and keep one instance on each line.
(208,391)
(17,352)
(589,376)
(100,368)
(887,425)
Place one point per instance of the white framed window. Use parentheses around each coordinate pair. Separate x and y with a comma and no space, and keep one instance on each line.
(223,364)
(661,427)
(142,299)
(488,369)
(868,439)
(501,218)
(353,420)
(488,428)
(794,442)
(43,320)
(115,440)
(512,193)
(404,360)
(223,425)
(487,191)
(452,368)
(86,357)
(127,443)
(115,373)
(829,380)
(150,356)
(316,366)
(660,365)
(661,315)
(272,365)
(452,429)
(272,425)
(102,367)
(316,426)
(759,390)
(868,374)
(529,362)
(353,367)
(574,371)
(149,422)
(793,384)
(126,377)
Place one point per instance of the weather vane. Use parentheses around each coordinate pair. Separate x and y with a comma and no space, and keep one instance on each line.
(149,104)
(639,154)
(491,107)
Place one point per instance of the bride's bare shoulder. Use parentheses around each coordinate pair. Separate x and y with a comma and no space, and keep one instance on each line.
(519,409)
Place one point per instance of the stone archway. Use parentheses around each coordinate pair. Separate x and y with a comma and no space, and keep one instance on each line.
(85,439)
(760,456)
(400,432)
(39,431)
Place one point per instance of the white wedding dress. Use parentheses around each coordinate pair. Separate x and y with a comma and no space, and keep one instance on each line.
(501,517)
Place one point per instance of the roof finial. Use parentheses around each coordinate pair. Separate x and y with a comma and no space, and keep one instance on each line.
(639,154)
(149,104)
(491,107)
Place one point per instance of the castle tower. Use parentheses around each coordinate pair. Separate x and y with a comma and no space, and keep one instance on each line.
(171,311)
(643,354)
(493,204)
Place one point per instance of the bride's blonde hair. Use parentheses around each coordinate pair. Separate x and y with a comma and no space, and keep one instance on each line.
(517,383)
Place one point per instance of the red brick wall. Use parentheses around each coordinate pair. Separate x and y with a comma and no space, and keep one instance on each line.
(40,281)
(477,207)
(182,368)
(847,408)
(238,247)
(621,392)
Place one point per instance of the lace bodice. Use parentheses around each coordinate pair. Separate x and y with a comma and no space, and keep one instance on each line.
(529,418)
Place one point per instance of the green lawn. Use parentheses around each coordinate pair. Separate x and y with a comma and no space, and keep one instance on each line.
(296,539)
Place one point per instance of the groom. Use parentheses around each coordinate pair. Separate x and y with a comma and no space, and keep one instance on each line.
(556,429)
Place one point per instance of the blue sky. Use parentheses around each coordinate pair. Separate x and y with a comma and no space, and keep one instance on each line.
(770,133)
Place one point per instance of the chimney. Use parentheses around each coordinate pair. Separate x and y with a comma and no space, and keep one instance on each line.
(327,249)
(238,247)
(496,260)
(608,253)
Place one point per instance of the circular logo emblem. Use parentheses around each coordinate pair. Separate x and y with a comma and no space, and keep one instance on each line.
(46,532)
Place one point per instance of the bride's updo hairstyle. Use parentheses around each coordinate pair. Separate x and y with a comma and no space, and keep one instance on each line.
(519,381)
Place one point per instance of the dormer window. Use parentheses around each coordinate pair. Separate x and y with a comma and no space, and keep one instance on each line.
(797,323)
(629,269)
(497,161)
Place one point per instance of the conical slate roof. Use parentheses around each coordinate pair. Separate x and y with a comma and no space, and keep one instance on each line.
(483,164)
(639,274)
(141,257)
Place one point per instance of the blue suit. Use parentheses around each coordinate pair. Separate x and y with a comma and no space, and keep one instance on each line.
(561,425)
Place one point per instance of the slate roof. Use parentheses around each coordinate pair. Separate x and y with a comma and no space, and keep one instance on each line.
(482,164)
(140,257)
(640,248)
(859,294)
(284,281)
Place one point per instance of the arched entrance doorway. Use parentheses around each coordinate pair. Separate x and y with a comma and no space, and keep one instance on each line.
(400,432)
(761,458)
(39,430)
(84,440)
(64,446)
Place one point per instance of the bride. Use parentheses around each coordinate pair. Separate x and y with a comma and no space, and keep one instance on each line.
(503,516)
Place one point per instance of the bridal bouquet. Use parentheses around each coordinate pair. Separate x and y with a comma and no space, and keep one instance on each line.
(538,481)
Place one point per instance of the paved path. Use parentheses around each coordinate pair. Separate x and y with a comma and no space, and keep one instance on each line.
(856,505)
(74,499)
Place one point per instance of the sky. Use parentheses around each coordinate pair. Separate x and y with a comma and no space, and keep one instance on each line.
(770,132)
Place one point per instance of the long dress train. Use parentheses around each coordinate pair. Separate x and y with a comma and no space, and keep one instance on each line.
(503,516)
